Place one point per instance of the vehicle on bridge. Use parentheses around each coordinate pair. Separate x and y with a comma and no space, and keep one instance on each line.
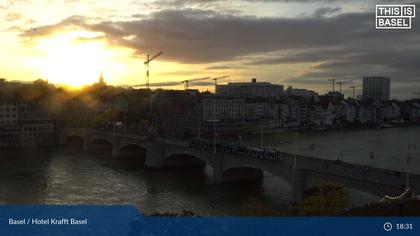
(256,152)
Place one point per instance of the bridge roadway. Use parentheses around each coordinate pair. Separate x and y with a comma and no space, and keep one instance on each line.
(300,172)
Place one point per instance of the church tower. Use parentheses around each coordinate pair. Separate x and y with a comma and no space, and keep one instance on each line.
(101,79)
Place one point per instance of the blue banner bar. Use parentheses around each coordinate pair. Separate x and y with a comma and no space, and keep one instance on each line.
(127,220)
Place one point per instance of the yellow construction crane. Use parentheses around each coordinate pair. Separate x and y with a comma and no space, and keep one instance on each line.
(147,63)
(187,81)
(217,78)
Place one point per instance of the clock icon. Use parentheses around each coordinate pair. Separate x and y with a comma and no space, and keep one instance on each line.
(387,226)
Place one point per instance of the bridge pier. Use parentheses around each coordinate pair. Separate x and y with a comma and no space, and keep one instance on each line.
(86,143)
(217,175)
(62,139)
(298,185)
(116,147)
(155,155)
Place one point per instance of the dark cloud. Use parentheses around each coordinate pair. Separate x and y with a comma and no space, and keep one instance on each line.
(344,45)
(325,11)
(305,1)
(67,24)
(195,36)
(201,2)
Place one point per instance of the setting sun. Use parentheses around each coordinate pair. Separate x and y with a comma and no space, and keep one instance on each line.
(73,58)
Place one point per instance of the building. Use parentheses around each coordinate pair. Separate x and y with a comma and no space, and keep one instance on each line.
(366,112)
(176,112)
(350,108)
(334,96)
(35,122)
(240,114)
(252,89)
(32,112)
(304,93)
(376,87)
(387,111)
(24,124)
(8,114)
(101,80)
(295,112)
(118,103)
(414,112)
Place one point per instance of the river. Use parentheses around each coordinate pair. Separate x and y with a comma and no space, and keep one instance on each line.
(70,176)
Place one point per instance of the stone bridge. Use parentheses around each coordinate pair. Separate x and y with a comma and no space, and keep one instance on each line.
(300,172)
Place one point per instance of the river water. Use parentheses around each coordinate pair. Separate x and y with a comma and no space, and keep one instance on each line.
(70,176)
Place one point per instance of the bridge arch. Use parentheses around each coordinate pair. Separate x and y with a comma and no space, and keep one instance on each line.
(242,173)
(75,139)
(132,149)
(99,143)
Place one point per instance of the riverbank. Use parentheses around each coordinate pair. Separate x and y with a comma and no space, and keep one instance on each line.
(343,128)
(403,207)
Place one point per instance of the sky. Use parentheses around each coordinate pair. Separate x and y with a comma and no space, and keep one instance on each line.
(299,43)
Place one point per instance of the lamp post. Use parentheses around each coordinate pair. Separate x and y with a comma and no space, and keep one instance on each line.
(294,158)
(199,128)
(125,119)
(214,133)
(408,160)
(262,134)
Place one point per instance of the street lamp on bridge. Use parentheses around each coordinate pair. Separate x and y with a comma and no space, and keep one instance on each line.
(214,133)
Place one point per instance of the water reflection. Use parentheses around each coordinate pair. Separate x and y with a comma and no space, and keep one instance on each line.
(70,176)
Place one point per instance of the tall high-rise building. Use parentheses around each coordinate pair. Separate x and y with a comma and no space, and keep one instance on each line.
(376,87)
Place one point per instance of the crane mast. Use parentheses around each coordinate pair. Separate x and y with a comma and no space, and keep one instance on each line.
(147,63)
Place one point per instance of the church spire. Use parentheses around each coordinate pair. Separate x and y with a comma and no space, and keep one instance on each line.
(101,79)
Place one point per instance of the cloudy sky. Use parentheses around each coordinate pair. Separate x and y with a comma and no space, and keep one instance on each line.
(299,43)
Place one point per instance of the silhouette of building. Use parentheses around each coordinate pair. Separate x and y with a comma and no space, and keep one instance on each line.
(8,114)
(177,112)
(101,80)
(252,89)
(307,94)
(376,87)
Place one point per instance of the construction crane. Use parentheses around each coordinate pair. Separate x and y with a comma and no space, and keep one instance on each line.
(217,78)
(147,63)
(333,84)
(417,94)
(354,89)
(340,83)
(187,81)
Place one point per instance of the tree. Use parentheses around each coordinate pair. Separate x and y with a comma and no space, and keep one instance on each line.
(329,199)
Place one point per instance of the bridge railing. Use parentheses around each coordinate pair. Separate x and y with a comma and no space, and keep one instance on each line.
(120,134)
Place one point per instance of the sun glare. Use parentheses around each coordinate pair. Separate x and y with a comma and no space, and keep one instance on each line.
(73,58)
